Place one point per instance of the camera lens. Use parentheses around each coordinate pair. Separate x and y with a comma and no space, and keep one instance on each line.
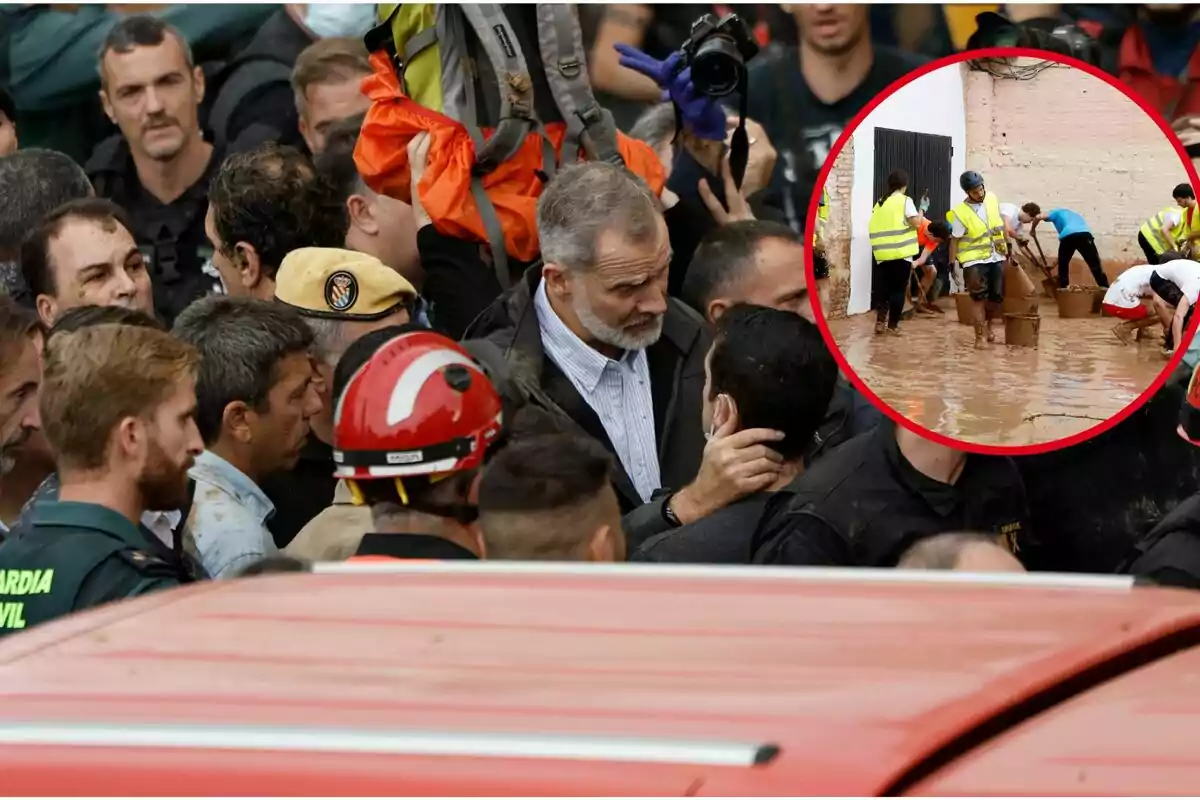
(717,67)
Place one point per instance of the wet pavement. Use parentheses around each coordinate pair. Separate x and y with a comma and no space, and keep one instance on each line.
(1078,376)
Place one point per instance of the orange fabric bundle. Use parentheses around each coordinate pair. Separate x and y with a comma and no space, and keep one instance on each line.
(445,189)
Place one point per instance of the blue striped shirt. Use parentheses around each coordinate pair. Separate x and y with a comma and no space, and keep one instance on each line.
(618,391)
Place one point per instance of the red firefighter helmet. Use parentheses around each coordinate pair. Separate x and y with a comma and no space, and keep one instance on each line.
(420,406)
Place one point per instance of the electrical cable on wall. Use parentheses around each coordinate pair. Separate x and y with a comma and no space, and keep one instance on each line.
(1006,69)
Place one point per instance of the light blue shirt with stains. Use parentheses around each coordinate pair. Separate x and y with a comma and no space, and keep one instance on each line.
(229,517)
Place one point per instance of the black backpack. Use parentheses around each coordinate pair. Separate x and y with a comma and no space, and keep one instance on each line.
(230,83)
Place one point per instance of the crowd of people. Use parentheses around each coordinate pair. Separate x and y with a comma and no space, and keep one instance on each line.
(975,252)
(223,353)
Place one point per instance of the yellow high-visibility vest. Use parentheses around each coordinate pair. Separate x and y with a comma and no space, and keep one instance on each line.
(1192,227)
(977,244)
(960,20)
(822,217)
(892,238)
(1159,240)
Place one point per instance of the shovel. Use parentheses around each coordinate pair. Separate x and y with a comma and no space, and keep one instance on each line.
(1049,283)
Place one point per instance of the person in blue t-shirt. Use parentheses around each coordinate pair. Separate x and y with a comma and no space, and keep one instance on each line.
(1074,236)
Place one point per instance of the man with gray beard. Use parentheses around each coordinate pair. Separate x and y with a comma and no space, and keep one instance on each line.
(593,336)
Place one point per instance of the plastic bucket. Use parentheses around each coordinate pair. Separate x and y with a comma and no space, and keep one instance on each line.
(1021,330)
(965,306)
(1020,305)
(1074,303)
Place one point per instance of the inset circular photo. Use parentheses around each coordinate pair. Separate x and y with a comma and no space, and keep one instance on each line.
(1007,248)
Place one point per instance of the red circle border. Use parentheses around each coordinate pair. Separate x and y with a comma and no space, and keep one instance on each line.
(819,312)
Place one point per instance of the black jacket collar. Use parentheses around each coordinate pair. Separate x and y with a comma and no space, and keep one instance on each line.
(514,313)
(411,545)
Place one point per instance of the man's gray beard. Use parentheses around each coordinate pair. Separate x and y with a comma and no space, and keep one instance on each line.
(614,337)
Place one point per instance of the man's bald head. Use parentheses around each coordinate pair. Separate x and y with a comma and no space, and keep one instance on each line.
(963,552)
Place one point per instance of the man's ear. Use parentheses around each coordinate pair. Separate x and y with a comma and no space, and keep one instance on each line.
(725,411)
(717,309)
(198,86)
(245,258)
(47,309)
(305,132)
(361,214)
(558,282)
(236,422)
(602,547)
(129,438)
(106,104)
(480,543)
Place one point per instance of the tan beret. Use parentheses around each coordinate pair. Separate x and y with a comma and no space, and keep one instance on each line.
(340,284)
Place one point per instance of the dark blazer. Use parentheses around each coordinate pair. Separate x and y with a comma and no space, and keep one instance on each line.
(676,363)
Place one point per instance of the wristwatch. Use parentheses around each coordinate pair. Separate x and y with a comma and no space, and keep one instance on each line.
(668,513)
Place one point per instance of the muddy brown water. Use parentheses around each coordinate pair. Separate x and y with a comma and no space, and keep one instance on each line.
(1078,376)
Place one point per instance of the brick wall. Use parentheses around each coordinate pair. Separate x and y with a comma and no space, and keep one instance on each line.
(1068,139)
(837,231)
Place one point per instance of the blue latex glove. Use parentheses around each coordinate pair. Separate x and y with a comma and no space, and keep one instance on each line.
(701,114)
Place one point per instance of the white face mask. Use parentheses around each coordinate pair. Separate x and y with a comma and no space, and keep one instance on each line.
(339,19)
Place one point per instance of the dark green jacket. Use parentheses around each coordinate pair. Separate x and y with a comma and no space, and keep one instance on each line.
(76,556)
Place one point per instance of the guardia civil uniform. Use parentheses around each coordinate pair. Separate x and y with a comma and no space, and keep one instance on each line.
(76,556)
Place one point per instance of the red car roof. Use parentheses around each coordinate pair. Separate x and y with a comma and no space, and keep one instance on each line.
(1132,736)
(462,678)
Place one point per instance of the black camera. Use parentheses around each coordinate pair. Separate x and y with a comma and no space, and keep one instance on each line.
(717,52)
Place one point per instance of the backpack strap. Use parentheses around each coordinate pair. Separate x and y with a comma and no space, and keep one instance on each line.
(516,119)
(503,49)
(381,37)
(239,79)
(589,126)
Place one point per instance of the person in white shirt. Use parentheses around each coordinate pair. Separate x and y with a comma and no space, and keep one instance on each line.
(1176,286)
(1014,218)
(1130,299)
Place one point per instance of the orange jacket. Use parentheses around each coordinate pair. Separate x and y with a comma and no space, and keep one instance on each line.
(445,188)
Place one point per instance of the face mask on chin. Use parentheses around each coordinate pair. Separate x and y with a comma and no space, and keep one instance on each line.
(339,19)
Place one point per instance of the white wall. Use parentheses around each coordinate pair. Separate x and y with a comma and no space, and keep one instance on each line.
(932,103)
